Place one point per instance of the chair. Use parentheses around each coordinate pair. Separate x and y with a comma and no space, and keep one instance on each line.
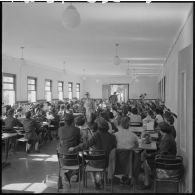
(168,169)
(90,160)
(23,140)
(72,163)
(122,161)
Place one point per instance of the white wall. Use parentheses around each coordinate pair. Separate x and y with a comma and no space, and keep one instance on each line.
(145,85)
(24,68)
(184,39)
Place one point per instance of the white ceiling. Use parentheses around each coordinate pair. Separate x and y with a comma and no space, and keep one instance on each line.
(144,32)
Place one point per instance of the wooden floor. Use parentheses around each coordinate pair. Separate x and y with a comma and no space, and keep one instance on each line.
(27,173)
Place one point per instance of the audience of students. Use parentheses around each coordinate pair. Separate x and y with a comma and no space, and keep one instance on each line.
(99,127)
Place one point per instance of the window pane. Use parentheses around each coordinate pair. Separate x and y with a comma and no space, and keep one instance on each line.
(60,95)
(70,95)
(31,81)
(48,96)
(31,87)
(8,79)
(32,96)
(60,89)
(77,94)
(47,83)
(60,84)
(9,97)
(47,88)
(8,86)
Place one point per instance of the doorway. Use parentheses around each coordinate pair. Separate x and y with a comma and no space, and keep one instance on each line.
(122,91)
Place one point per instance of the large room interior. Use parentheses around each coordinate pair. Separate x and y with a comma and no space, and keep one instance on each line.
(140,51)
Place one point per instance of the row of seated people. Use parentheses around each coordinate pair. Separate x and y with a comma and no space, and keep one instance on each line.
(110,120)
(77,135)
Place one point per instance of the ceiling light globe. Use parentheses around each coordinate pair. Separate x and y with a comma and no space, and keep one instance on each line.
(71,17)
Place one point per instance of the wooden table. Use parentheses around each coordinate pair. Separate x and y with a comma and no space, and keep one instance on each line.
(6,137)
(151,146)
(140,130)
(136,129)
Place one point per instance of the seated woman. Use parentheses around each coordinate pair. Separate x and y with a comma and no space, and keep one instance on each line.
(167,146)
(136,119)
(10,121)
(69,136)
(85,131)
(125,139)
(30,127)
(168,118)
(102,140)
(106,116)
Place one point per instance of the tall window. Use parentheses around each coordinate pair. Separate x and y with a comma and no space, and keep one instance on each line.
(48,86)
(32,89)
(70,90)
(9,89)
(78,90)
(60,90)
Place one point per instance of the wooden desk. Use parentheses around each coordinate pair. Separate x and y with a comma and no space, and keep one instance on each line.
(6,137)
(77,114)
(136,129)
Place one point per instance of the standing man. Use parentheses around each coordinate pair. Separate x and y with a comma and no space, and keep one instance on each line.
(113,98)
(89,107)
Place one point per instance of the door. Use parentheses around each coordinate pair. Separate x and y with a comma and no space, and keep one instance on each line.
(185,114)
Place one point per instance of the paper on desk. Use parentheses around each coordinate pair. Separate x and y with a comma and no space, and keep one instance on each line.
(150,126)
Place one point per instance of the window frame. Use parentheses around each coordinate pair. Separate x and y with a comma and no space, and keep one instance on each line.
(62,89)
(71,89)
(14,84)
(78,89)
(34,78)
(46,80)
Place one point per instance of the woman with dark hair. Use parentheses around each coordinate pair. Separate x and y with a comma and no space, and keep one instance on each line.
(102,140)
(106,116)
(136,119)
(167,146)
(169,119)
(92,124)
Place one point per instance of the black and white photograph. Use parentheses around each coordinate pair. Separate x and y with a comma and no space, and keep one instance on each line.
(97,97)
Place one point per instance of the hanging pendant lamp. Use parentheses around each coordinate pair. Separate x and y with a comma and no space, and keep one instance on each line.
(117,60)
(71,17)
